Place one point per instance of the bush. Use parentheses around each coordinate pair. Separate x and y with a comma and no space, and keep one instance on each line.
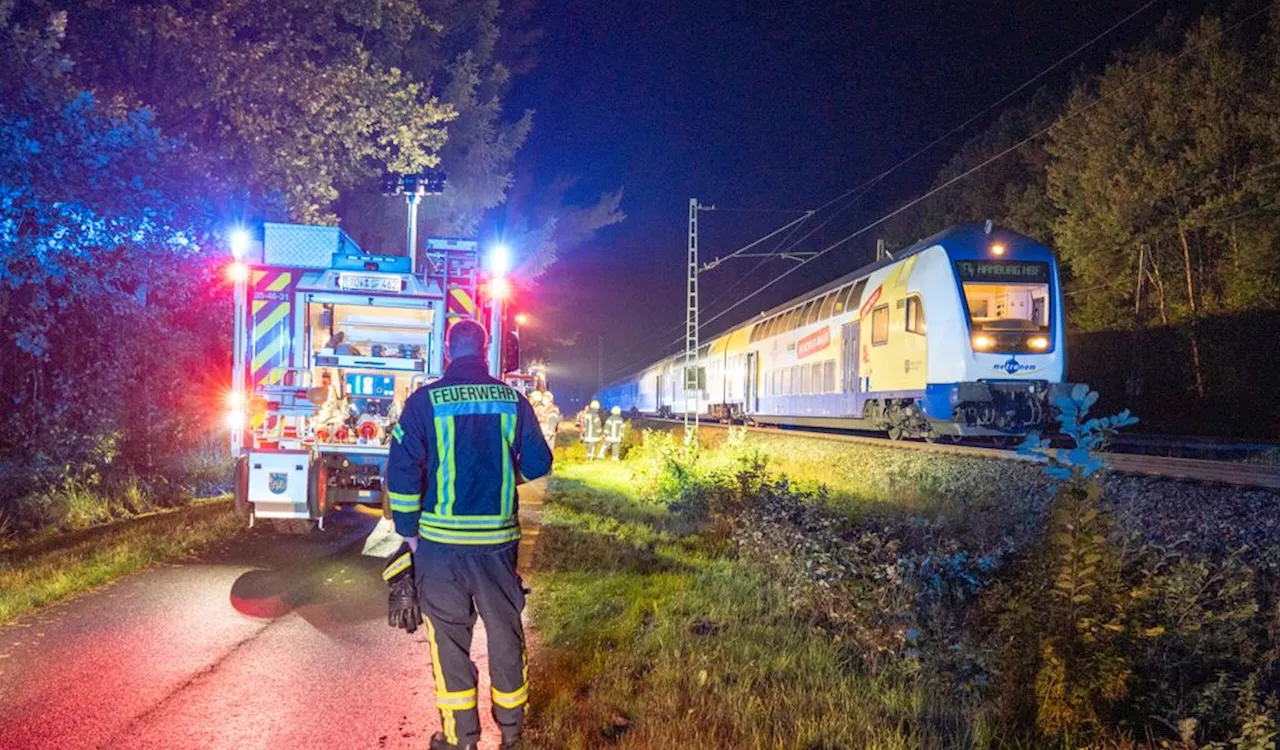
(1049,612)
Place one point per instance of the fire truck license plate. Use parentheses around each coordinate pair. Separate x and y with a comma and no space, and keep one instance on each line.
(367,283)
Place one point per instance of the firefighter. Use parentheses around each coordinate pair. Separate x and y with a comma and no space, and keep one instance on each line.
(462,445)
(550,418)
(613,429)
(592,429)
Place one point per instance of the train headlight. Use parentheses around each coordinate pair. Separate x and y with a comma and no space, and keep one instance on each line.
(997,249)
(983,342)
(1039,343)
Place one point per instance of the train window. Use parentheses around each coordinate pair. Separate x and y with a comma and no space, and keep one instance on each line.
(842,300)
(915,315)
(855,295)
(811,312)
(880,325)
(829,376)
(1006,296)
(828,304)
(806,380)
(786,381)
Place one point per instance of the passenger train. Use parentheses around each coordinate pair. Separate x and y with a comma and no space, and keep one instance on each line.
(961,334)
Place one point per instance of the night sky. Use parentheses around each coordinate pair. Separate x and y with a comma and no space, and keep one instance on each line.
(758,105)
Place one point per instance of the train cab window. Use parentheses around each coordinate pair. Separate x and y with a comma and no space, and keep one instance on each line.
(915,315)
(1006,296)
(880,325)
(828,305)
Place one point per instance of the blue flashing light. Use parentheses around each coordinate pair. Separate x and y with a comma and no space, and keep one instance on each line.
(239,240)
(499,260)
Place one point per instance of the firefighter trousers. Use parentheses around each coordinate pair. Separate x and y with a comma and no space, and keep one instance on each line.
(613,446)
(455,583)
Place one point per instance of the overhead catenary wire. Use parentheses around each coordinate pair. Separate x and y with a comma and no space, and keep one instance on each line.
(986,162)
(868,184)
(990,160)
(862,187)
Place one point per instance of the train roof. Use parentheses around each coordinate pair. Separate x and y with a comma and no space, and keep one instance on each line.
(972,233)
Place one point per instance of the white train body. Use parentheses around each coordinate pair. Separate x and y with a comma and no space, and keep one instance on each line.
(961,334)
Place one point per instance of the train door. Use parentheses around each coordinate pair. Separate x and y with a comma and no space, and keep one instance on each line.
(751,383)
(849,365)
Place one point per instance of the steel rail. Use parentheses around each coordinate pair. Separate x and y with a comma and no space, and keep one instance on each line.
(1186,469)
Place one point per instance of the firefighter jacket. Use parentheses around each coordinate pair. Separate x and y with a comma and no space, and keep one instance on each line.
(613,427)
(462,445)
(550,420)
(591,426)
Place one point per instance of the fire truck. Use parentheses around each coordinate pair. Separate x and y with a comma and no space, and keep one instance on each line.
(329,341)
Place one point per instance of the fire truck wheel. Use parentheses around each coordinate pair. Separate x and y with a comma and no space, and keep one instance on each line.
(240,489)
(293,525)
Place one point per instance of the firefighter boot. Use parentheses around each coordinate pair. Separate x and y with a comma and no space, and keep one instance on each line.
(438,742)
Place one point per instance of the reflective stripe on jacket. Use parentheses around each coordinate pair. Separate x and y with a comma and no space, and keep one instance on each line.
(591,426)
(613,427)
(461,446)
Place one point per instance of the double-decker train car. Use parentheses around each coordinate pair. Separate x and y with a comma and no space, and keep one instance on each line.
(961,334)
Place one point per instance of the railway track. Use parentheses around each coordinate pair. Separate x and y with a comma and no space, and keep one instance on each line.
(1187,469)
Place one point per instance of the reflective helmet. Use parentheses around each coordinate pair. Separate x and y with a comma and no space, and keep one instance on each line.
(616,410)
(595,404)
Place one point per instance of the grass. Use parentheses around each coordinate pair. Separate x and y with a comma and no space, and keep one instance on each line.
(53,568)
(653,637)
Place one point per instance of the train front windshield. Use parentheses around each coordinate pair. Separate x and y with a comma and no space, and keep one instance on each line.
(1006,296)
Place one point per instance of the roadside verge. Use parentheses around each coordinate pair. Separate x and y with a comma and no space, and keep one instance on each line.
(50,569)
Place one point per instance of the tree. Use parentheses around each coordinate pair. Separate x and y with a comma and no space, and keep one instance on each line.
(290,101)
(1165,181)
(101,274)
(1166,186)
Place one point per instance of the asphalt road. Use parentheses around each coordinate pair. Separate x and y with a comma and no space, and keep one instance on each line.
(265,641)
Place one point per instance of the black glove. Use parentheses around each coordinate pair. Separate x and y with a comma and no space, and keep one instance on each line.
(402,602)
